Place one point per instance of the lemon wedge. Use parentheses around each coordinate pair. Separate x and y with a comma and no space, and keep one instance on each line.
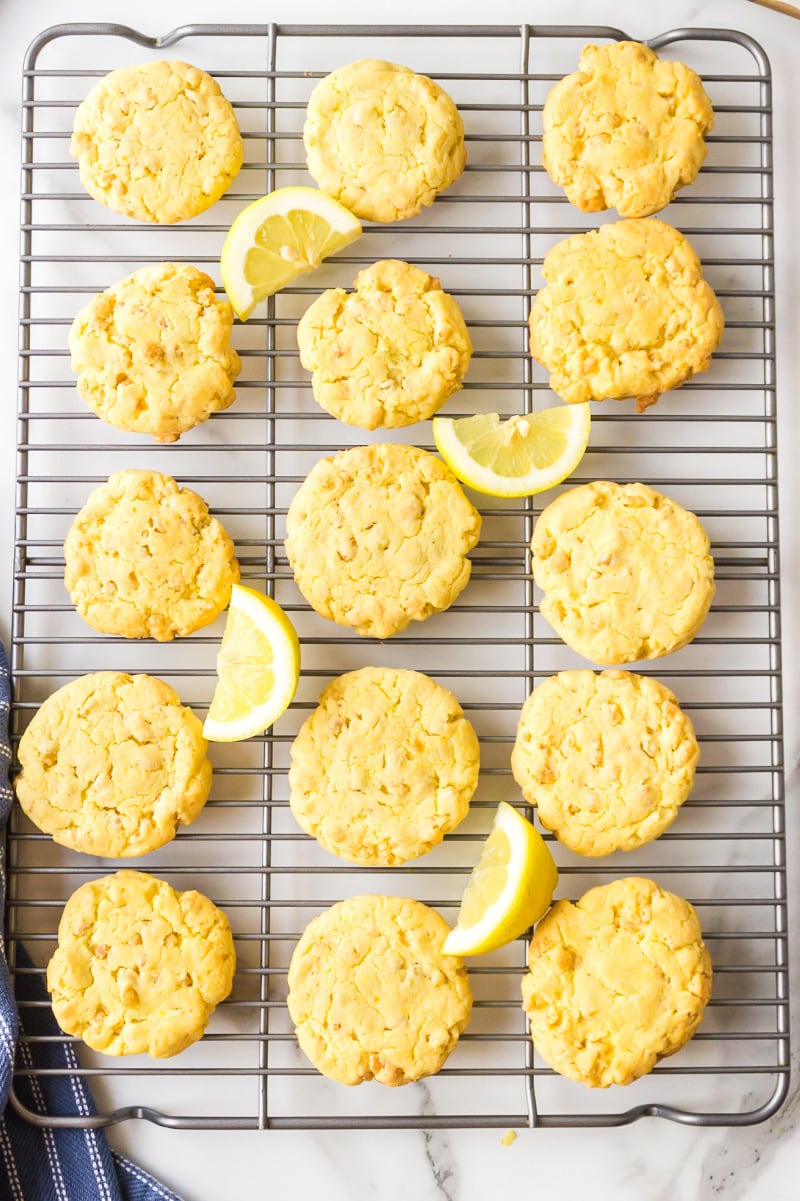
(277,238)
(258,667)
(510,888)
(516,457)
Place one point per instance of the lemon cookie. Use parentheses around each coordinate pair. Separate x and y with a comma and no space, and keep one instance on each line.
(626,312)
(626,572)
(153,353)
(607,759)
(145,559)
(113,764)
(384,767)
(617,981)
(157,141)
(626,130)
(378,536)
(388,354)
(139,968)
(383,140)
(372,996)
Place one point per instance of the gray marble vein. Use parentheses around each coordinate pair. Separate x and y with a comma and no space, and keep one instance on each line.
(728,1168)
(438,1152)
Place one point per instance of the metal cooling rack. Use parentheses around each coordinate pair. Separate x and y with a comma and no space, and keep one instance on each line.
(711,445)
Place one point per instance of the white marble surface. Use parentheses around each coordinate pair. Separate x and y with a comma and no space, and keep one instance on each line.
(653,1160)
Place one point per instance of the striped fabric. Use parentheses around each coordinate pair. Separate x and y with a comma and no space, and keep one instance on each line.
(40,1163)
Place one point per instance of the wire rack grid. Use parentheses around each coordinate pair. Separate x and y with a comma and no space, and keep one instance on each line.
(712,446)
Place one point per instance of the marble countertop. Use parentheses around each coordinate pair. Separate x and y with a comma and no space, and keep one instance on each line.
(652,1160)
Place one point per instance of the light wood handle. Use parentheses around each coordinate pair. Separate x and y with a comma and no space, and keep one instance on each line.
(780,6)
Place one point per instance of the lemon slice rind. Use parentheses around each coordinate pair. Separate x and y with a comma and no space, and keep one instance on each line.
(518,456)
(268,622)
(278,237)
(531,878)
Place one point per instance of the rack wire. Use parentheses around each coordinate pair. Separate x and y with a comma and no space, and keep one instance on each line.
(712,446)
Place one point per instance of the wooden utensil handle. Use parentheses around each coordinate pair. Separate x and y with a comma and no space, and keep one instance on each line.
(779,6)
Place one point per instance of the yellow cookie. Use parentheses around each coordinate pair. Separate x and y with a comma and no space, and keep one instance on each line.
(139,968)
(378,536)
(617,981)
(112,765)
(384,767)
(145,559)
(626,572)
(626,312)
(153,354)
(607,759)
(388,354)
(372,996)
(626,130)
(157,142)
(383,140)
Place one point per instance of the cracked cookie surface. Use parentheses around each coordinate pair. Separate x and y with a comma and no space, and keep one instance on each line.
(144,558)
(153,353)
(372,996)
(625,313)
(113,764)
(626,130)
(384,767)
(157,142)
(139,968)
(382,140)
(378,535)
(388,354)
(608,759)
(617,981)
(626,572)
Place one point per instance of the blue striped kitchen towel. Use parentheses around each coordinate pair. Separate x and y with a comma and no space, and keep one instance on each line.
(41,1163)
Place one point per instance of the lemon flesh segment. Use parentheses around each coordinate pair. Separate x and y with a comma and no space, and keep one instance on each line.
(258,667)
(279,237)
(518,456)
(510,888)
